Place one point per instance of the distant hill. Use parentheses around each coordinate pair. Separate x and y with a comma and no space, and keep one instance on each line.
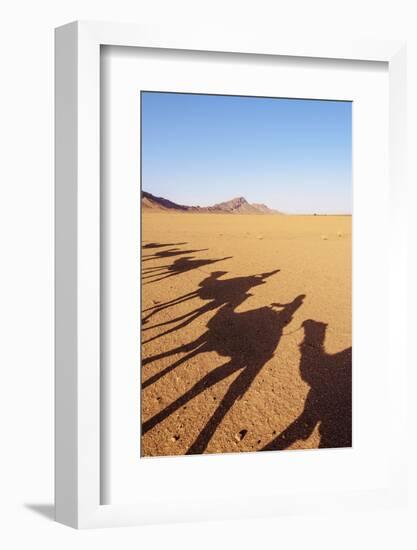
(238,205)
(159,203)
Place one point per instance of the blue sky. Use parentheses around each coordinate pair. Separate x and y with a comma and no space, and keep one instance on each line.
(294,155)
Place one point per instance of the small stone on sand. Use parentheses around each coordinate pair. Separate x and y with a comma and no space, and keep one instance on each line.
(239,436)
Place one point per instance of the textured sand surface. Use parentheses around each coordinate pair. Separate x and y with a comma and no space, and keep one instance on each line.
(246,341)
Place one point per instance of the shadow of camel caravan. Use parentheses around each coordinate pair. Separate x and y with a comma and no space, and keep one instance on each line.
(252,338)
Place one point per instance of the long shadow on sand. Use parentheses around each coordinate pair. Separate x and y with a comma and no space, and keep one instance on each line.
(329,401)
(179,266)
(248,339)
(215,292)
(160,245)
(170,253)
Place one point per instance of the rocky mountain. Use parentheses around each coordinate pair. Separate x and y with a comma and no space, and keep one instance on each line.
(239,205)
(159,203)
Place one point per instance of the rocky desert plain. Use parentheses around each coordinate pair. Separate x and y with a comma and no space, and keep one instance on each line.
(246,329)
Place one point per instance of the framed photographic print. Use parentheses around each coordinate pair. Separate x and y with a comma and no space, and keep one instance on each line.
(228,212)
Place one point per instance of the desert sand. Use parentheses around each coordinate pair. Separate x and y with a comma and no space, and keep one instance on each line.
(246,336)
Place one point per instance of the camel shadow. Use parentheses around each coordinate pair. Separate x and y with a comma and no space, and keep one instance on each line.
(160,245)
(329,401)
(213,290)
(216,292)
(170,253)
(248,339)
(179,266)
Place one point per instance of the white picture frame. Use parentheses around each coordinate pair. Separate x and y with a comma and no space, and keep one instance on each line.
(78,406)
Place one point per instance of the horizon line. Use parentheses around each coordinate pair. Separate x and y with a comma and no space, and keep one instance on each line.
(286,213)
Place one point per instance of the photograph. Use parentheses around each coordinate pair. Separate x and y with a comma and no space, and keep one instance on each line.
(246,273)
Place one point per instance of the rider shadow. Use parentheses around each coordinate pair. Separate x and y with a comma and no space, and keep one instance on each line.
(329,400)
(170,253)
(181,265)
(215,291)
(160,245)
(248,339)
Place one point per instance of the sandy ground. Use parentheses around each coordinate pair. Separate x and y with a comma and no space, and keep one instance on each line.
(246,341)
